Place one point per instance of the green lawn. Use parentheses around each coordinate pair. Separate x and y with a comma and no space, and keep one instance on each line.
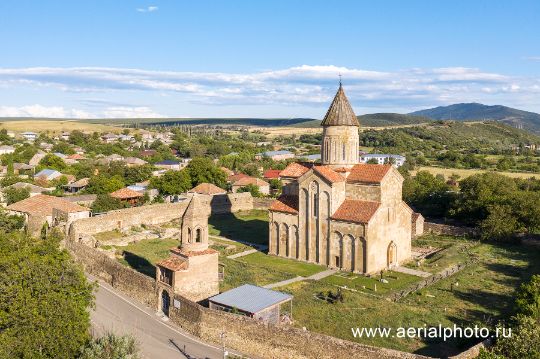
(226,248)
(291,266)
(247,226)
(107,236)
(396,281)
(454,250)
(238,273)
(484,294)
(142,256)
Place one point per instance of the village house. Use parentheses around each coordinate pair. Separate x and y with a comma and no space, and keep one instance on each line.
(134,162)
(168,165)
(109,138)
(127,195)
(43,209)
(271,174)
(47,175)
(276,155)
(5,149)
(381,159)
(34,161)
(32,189)
(343,214)
(77,186)
(29,136)
(264,187)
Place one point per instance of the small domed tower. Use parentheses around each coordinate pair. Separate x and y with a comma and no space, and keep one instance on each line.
(194,235)
(340,133)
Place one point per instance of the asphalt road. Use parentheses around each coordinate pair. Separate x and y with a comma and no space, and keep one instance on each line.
(157,338)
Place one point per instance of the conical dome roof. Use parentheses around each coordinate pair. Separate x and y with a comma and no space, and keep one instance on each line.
(340,112)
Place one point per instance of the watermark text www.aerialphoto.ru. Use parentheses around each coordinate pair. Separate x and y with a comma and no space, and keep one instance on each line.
(437,332)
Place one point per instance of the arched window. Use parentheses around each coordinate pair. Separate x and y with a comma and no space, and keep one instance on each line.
(198,235)
(189,234)
(343,150)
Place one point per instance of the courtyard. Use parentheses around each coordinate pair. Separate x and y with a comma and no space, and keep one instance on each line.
(481,293)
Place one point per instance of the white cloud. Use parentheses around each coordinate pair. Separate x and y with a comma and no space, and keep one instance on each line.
(41,111)
(532,58)
(147,9)
(305,86)
(130,112)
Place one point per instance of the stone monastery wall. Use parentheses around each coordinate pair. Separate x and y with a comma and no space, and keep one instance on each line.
(242,333)
(126,218)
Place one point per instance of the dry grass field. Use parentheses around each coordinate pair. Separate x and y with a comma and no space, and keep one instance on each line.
(464,173)
(55,126)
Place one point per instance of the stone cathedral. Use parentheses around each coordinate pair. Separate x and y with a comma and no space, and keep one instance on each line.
(342,213)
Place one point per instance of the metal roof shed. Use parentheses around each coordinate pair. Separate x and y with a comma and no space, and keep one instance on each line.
(253,301)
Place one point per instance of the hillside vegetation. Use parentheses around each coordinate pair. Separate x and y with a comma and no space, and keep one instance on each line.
(478,111)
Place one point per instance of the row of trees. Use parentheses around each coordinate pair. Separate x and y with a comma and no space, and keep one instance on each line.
(501,206)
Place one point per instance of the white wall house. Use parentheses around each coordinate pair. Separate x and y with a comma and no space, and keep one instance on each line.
(381,159)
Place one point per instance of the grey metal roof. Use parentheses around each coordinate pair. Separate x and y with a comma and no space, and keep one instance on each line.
(250,298)
(340,112)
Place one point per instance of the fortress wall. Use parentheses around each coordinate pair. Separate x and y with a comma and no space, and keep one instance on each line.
(126,218)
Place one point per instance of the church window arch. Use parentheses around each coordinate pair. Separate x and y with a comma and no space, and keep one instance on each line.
(198,235)
(189,234)
(343,151)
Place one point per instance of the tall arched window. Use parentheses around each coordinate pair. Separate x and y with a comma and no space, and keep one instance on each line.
(189,234)
(343,150)
(198,235)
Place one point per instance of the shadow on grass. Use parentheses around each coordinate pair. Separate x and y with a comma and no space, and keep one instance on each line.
(140,264)
(487,308)
(246,230)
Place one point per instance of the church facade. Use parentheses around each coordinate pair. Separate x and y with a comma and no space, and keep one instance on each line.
(342,213)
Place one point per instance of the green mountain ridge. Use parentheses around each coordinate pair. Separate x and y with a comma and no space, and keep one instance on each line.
(477,111)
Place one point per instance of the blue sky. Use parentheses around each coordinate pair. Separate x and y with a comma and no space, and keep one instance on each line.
(263,58)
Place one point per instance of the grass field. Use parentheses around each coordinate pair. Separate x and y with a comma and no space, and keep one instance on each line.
(142,256)
(246,226)
(293,267)
(483,295)
(55,126)
(464,173)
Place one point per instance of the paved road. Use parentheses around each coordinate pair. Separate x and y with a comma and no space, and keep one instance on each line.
(158,339)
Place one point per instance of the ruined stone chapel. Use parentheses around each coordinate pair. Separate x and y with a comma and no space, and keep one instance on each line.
(341,213)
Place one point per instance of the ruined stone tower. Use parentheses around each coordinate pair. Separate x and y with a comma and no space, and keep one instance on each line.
(340,133)
(194,234)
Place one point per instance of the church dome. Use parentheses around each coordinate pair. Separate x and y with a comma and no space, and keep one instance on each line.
(340,112)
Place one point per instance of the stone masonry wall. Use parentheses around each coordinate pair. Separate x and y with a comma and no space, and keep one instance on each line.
(126,218)
(136,285)
(262,203)
(438,228)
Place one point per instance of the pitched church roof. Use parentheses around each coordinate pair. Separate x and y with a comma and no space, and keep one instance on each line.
(329,174)
(368,173)
(340,112)
(286,204)
(356,211)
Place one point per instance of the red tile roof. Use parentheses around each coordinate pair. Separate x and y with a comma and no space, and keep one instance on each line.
(269,174)
(368,173)
(43,205)
(76,156)
(329,174)
(286,204)
(126,193)
(250,180)
(294,170)
(207,188)
(173,263)
(236,177)
(356,211)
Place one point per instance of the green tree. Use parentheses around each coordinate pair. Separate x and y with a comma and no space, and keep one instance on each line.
(528,298)
(111,346)
(202,169)
(102,184)
(106,203)
(52,162)
(251,188)
(12,195)
(44,299)
(172,182)
(10,223)
(133,175)
(63,147)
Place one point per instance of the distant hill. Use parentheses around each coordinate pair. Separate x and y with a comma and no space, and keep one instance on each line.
(478,111)
(377,120)
(390,119)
